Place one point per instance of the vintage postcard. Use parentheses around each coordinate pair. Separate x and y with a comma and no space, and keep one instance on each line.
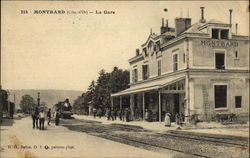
(124,79)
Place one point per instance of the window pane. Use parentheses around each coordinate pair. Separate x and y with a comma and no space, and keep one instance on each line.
(220,60)
(238,101)
(224,34)
(220,96)
(215,33)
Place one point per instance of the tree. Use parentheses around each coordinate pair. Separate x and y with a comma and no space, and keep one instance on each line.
(27,103)
(78,104)
(102,90)
(119,80)
(98,93)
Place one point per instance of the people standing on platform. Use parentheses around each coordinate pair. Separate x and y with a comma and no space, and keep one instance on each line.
(127,113)
(177,119)
(136,113)
(167,120)
(94,112)
(115,113)
(49,116)
(99,112)
(35,115)
(121,114)
(57,118)
(112,114)
(41,119)
(181,118)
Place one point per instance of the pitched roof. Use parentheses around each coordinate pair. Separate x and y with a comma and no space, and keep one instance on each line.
(195,27)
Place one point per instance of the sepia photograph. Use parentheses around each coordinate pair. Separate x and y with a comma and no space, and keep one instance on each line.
(124,79)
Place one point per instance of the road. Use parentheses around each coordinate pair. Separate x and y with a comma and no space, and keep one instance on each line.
(173,143)
(19,140)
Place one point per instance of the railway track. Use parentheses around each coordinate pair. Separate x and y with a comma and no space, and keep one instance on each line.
(141,143)
(211,139)
(222,140)
(146,139)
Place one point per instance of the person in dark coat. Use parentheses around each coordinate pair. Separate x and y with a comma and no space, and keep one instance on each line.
(121,115)
(115,113)
(94,112)
(127,113)
(177,119)
(112,114)
(49,116)
(57,119)
(35,114)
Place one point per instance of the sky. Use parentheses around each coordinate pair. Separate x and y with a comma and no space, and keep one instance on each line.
(66,51)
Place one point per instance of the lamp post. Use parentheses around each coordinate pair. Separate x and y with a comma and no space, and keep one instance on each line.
(38,99)
(8,112)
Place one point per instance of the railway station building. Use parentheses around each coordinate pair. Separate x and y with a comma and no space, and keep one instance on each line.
(200,68)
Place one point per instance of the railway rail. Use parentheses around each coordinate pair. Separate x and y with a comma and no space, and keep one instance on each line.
(135,136)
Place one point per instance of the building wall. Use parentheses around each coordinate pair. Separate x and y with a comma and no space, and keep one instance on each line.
(203,53)
(138,66)
(203,93)
(167,57)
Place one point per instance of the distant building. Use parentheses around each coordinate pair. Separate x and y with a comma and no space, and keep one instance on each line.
(198,69)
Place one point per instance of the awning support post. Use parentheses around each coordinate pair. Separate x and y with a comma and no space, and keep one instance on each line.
(143,106)
(112,102)
(120,102)
(159,106)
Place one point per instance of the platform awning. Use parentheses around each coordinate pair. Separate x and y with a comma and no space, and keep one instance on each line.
(148,86)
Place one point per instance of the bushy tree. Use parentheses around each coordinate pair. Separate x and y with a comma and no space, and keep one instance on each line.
(27,103)
(98,93)
(78,104)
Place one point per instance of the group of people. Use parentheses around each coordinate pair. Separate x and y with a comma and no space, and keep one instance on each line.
(124,115)
(112,113)
(179,119)
(38,118)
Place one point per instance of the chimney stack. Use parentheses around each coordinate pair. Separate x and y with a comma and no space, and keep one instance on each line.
(163,27)
(202,20)
(167,23)
(230,20)
(236,28)
(181,25)
(137,52)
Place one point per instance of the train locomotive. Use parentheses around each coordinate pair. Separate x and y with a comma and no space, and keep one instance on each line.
(64,108)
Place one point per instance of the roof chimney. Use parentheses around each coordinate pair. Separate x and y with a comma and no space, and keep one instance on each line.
(181,25)
(137,52)
(167,23)
(236,28)
(202,20)
(163,27)
(230,20)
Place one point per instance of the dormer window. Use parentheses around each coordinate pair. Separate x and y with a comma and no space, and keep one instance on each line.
(220,33)
(224,34)
(215,33)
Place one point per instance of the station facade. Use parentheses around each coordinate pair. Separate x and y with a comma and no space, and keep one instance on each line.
(200,68)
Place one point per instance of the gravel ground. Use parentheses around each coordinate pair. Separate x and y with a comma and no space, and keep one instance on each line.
(174,144)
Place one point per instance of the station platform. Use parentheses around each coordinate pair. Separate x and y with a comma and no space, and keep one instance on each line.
(159,127)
